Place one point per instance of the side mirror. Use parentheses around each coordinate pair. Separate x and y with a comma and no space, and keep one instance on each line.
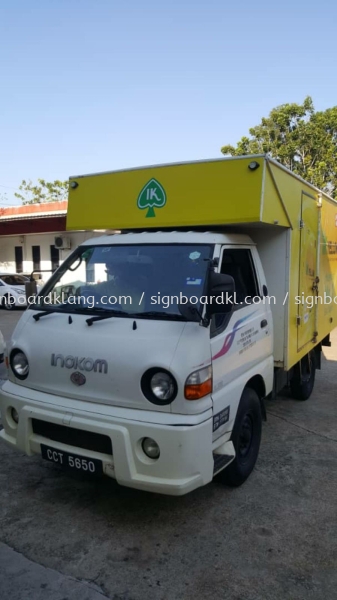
(221,290)
(31,290)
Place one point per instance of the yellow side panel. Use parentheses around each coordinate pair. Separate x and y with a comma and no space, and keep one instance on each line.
(205,193)
(327,286)
(317,237)
(307,310)
(273,212)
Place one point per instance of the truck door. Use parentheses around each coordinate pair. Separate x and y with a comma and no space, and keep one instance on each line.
(308,266)
(243,339)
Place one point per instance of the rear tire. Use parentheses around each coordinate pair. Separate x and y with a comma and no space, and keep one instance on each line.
(246,438)
(303,379)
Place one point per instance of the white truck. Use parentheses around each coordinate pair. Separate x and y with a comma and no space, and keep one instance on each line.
(148,355)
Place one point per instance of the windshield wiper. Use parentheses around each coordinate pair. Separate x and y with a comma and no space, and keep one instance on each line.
(61,308)
(109,314)
(46,312)
(148,314)
(162,315)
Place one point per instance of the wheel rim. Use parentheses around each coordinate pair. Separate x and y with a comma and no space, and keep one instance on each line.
(7,303)
(245,436)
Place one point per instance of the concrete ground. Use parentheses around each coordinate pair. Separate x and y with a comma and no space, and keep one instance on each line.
(275,538)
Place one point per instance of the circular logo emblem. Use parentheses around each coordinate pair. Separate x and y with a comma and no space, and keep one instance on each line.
(78,378)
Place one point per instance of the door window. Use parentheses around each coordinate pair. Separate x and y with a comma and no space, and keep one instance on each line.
(36,255)
(18,259)
(54,258)
(238,263)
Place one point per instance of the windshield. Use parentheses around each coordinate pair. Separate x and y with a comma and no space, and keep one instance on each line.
(14,279)
(134,279)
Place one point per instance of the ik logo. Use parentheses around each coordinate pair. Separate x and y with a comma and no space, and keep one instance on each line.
(152,196)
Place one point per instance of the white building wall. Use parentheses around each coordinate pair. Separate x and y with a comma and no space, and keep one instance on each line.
(44,240)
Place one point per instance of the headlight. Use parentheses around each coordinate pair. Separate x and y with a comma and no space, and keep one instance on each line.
(19,364)
(18,291)
(159,386)
(162,385)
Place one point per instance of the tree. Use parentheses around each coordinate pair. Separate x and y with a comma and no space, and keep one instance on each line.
(44,191)
(301,139)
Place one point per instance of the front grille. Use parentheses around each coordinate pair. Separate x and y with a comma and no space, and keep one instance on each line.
(74,437)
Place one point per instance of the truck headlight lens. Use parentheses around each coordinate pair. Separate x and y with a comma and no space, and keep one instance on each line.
(159,386)
(162,385)
(150,448)
(199,384)
(19,364)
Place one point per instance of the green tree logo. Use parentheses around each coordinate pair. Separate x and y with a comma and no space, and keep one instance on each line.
(152,196)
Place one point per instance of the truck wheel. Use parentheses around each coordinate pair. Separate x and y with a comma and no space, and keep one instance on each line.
(246,438)
(303,379)
(8,302)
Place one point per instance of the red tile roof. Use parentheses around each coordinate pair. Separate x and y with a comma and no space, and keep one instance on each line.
(34,210)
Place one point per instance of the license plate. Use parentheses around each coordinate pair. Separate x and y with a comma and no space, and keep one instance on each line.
(72,462)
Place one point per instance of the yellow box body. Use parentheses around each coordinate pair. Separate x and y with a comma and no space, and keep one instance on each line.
(227,193)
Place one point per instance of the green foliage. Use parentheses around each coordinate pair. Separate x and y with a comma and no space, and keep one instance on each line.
(44,191)
(301,139)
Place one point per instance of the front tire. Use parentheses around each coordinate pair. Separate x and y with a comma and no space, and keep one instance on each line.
(246,438)
(8,302)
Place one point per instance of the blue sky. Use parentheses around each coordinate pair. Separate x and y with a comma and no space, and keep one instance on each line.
(100,85)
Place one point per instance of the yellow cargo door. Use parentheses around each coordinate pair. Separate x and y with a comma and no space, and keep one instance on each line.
(307,292)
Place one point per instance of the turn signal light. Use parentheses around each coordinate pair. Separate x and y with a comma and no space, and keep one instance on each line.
(199,384)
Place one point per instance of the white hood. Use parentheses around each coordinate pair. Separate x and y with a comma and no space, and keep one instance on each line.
(112,355)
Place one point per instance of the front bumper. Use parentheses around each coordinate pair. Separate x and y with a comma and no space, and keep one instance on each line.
(186,458)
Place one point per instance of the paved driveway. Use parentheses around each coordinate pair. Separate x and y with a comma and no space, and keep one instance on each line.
(275,538)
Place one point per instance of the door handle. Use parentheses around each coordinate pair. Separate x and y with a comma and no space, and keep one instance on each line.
(264,323)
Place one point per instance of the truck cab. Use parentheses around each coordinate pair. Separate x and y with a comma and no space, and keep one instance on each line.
(135,356)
